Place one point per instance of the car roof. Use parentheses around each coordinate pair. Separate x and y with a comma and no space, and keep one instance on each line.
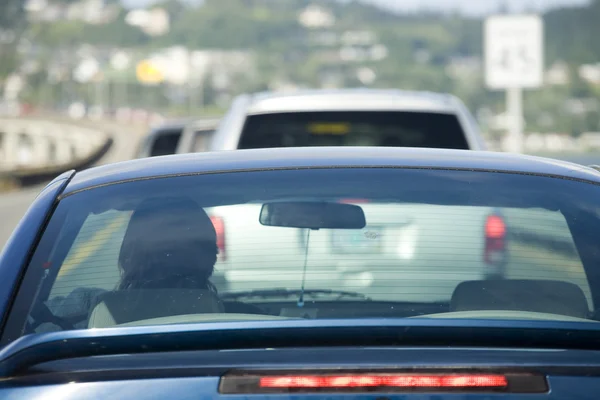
(170,125)
(299,157)
(201,125)
(350,100)
(206,123)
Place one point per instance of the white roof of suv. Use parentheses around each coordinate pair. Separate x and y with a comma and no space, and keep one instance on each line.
(350,100)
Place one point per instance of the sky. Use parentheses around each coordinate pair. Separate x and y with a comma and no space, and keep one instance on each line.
(469,7)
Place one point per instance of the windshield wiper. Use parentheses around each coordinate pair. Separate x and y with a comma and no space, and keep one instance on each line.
(313,293)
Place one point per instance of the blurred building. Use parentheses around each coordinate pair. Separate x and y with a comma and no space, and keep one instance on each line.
(558,74)
(88,11)
(590,73)
(315,16)
(153,22)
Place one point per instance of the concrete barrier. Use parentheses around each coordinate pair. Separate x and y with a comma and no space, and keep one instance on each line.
(36,150)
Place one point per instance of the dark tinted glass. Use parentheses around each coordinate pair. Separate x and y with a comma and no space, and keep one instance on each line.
(397,129)
(437,244)
(165,143)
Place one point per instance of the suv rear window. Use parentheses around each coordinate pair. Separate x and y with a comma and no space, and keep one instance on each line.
(165,143)
(389,128)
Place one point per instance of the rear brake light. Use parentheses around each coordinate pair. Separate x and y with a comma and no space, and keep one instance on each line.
(401,381)
(219,225)
(246,382)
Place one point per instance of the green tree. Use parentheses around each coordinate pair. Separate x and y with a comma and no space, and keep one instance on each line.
(12,25)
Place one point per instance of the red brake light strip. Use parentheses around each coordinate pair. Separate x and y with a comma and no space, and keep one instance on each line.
(249,382)
(400,381)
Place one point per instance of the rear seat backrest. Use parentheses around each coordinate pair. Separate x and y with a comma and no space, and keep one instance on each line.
(543,296)
(126,306)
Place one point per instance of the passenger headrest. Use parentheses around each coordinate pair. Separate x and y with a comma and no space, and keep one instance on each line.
(544,296)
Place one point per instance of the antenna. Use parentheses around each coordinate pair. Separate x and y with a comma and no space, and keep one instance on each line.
(301,297)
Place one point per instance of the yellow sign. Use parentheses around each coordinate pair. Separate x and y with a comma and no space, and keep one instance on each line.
(148,73)
(329,128)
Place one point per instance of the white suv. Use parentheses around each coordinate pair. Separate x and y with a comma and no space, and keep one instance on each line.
(356,117)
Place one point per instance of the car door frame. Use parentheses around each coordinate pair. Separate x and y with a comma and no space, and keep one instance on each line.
(21,245)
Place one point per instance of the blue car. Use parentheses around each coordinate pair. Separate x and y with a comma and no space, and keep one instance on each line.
(113,283)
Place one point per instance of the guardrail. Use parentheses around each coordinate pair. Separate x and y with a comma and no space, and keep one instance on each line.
(18,178)
(51,147)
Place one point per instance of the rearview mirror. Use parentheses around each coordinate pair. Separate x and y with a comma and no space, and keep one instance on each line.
(312,215)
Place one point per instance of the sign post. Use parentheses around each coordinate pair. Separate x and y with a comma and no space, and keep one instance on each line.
(513,46)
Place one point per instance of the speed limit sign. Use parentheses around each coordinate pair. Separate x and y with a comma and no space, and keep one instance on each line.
(513,51)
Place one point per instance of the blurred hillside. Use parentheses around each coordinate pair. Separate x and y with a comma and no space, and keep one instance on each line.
(249,45)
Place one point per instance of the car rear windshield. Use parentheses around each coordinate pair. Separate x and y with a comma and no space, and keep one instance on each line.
(389,128)
(248,246)
(165,142)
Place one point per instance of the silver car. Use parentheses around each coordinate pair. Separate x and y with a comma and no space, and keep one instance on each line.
(348,117)
(162,140)
(196,136)
(179,136)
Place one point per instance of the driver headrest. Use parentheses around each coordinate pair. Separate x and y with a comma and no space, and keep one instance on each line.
(170,232)
(544,296)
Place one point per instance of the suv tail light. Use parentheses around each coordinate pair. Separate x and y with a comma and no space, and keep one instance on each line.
(495,240)
(219,225)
